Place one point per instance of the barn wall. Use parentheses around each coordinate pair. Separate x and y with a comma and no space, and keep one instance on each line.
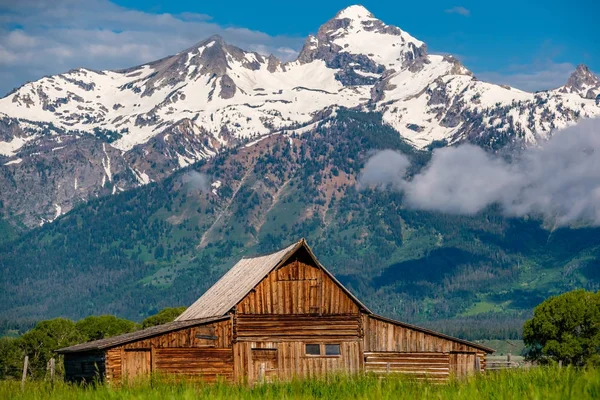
(386,336)
(188,337)
(288,327)
(84,367)
(114,369)
(201,351)
(466,363)
(297,288)
(294,305)
(207,365)
(381,337)
(430,366)
(269,360)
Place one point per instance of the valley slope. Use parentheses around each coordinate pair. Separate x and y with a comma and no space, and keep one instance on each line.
(164,243)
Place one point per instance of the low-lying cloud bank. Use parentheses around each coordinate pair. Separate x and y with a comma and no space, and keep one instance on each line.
(560,180)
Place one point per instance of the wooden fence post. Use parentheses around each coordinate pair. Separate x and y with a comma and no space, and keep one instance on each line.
(52,369)
(25,366)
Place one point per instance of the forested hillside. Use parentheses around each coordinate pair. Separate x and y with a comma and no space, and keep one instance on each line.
(163,244)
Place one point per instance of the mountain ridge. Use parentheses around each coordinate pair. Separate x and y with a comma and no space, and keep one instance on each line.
(133,126)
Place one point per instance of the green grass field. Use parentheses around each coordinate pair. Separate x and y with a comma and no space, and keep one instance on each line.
(535,383)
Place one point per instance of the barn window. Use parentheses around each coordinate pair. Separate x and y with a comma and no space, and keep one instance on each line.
(332,349)
(313,349)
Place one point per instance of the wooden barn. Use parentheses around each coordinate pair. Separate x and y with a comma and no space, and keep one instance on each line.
(275,316)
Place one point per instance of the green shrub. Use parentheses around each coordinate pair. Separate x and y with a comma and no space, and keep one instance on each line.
(565,328)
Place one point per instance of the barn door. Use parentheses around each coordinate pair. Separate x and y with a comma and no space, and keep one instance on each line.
(264,365)
(136,364)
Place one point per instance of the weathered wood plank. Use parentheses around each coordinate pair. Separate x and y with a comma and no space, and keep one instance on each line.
(416,365)
(289,287)
(385,336)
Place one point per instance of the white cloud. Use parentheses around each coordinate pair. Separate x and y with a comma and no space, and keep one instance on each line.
(7,57)
(18,38)
(195,180)
(560,180)
(532,77)
(385,168)
(460,10)
(55,36)
(543,72)
(289,52)
(461,180)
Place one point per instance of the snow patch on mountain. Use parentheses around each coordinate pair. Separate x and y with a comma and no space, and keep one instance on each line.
(10,148)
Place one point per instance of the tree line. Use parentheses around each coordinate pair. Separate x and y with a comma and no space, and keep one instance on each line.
(45,337)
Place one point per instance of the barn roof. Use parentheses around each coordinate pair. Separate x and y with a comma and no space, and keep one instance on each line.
(243,277)
(102,344)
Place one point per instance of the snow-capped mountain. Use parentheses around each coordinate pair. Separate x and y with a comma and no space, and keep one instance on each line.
(582,82)
(68,137)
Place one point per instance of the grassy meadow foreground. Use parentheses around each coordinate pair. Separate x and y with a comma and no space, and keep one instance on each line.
(536,383)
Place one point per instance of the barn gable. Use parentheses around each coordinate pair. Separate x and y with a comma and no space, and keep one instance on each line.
(294,274)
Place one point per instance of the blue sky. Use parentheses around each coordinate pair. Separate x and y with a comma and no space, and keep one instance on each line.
(531,44)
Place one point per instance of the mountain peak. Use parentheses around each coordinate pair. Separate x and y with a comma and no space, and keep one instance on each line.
(355,12)
(208,42)
(215,38)
(583,82)
(354,40)
(583,71)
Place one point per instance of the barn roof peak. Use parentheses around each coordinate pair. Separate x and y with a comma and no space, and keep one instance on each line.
(295,244)
(243,277)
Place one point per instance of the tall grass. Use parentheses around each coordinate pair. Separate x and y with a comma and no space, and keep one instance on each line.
(537,383)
